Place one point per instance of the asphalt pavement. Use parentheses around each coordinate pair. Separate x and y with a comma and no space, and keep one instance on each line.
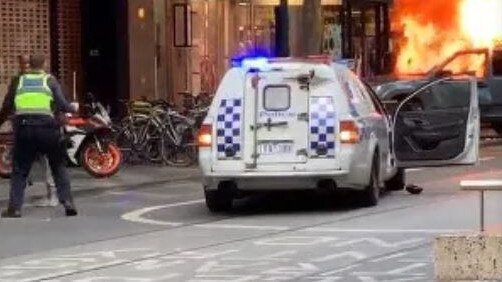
(151,224)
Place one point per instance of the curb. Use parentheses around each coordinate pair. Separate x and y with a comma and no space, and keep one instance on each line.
(121,187)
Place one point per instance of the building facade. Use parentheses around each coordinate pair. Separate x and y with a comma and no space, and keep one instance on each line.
(163,49)
(42,26)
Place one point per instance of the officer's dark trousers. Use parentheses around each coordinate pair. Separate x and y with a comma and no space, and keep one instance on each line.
(32,138)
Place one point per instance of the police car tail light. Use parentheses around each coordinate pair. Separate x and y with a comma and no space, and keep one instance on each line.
(349,132)
(204,136)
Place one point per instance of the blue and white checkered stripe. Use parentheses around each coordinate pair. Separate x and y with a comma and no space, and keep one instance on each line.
(322,126)
(228,128)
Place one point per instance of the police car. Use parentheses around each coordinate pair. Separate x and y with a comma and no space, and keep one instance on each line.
(285,124)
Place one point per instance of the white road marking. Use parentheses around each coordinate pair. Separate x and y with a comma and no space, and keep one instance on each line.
(325,279)
(228,267)
(200,255)
(332,272)
(236,226)
(392,256)
(137,215)
(295,241)
(404,270)
(415,260)
(379,242)
(131,279)
(408,279)
(224,277)
(299,269)
(398,271)
(424,231)
(345,255)
(278,256)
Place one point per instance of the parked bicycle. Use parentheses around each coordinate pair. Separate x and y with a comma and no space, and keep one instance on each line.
(154,131)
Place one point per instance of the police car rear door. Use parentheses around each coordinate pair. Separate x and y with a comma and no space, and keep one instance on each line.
(277,118)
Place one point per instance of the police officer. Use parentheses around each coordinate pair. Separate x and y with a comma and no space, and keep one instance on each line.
(34,97)
(50,199)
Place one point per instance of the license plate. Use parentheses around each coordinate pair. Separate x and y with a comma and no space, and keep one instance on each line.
(275,148)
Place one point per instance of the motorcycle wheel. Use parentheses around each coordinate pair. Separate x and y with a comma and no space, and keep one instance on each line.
(5,161)
(101,164)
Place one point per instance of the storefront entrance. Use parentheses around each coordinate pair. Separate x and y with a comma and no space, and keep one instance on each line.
(220,30)
(366,33)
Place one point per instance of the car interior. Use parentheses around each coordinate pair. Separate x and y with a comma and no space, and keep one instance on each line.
(432,125)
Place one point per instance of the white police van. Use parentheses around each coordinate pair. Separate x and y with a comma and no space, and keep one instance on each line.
(283,124)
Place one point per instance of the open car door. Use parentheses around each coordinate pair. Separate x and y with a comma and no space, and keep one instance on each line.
(438,125)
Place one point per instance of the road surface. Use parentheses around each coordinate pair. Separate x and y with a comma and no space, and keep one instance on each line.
(163,232)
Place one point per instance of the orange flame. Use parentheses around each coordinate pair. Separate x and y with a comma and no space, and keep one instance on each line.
(431,31)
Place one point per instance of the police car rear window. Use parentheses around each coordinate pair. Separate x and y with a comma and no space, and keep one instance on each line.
(497,63)
(277,98)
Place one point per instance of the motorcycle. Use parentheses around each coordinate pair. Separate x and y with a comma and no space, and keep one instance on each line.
(88,139)
(91,141)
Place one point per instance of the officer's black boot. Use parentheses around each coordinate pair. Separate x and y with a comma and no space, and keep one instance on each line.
(69,208)
(11,213)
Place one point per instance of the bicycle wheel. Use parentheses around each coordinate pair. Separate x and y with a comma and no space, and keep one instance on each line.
(154,145)
(125,141)
(128,137)
(182,153)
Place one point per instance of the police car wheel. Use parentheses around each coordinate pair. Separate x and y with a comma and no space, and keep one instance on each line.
(371,193)
(397,182)
(217,200)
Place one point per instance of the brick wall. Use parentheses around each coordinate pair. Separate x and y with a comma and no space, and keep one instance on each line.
(24,29)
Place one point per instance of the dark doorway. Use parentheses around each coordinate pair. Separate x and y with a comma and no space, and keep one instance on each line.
(104,47)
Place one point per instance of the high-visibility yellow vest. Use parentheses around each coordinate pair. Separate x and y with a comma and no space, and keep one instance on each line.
(33,95)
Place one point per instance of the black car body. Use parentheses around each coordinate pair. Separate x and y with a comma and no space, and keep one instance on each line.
(489,84)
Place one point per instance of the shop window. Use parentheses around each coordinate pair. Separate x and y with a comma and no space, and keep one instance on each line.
(182,25)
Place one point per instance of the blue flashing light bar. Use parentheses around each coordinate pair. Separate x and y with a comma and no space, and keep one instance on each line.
(252,63)
(255,63)
(254,58)
(263,63)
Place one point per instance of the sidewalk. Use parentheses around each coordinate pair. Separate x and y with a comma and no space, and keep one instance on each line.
(128,177)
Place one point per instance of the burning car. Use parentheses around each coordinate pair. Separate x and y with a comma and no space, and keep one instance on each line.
(437,39)
(489,81)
